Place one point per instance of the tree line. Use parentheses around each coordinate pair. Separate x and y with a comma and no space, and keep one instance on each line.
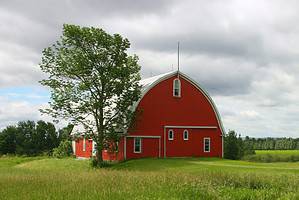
(272,143)
(236,147)
(42,138)
(32,138)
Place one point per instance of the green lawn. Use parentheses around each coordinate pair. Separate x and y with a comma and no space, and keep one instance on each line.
(188,178)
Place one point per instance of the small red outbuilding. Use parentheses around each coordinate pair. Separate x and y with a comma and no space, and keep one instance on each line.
(178,119)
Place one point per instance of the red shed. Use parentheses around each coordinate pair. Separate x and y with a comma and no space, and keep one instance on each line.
(178,119)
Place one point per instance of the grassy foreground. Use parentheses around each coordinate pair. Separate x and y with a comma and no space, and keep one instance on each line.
(48,178)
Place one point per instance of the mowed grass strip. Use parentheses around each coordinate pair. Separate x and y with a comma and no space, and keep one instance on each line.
(146,179)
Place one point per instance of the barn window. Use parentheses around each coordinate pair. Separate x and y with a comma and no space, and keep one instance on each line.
(186,135)
(170,135)
(94,149)
(137,145)
(207,144)
(84,144)
(176,87)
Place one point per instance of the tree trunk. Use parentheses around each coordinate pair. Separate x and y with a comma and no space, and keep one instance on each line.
(99,156)
(99,138)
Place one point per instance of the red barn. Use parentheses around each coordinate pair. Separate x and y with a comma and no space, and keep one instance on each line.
(178,119)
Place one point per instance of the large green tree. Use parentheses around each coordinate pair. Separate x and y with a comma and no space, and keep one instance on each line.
(93,82)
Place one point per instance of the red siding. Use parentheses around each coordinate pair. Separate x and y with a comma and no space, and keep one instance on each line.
(79,148)
(159,108)
(116,155)
(194,146)
(149,148)
(106,154)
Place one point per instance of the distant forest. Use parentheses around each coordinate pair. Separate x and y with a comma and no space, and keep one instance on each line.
(32,138)
(272,143)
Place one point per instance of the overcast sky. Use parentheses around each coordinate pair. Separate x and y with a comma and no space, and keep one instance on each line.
(244,53)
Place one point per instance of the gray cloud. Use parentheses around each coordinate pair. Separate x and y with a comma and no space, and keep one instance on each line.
(245,53)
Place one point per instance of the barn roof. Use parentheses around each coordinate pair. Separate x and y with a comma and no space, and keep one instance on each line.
(148,82)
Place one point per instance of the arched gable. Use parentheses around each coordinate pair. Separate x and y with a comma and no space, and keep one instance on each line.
(150,83)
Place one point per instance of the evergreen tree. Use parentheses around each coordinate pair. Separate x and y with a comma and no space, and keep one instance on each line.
(231,146)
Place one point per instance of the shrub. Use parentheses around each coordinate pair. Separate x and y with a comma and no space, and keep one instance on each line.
(95,164)
(63,150)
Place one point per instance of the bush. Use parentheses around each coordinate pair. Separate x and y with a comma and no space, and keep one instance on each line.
(63,150)
(95,164)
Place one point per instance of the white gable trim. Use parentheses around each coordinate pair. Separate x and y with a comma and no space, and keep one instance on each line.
(143,136)
(193,127)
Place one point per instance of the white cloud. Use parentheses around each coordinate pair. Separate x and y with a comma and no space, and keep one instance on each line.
(12,112)
(251,114)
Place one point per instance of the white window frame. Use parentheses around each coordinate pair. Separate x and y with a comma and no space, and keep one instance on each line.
(170,138)
(94,148)
(140,150)
(84,144)
(186,131)
(173,92)
(204,144)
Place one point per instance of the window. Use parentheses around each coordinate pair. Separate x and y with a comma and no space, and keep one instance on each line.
(94,148)
(170,135)
(84,144)
(186,135)
(207,144)
(137,145)
(176,87)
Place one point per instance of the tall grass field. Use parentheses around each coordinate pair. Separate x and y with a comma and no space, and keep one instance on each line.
(274,156)
(185,178)
(278,152)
